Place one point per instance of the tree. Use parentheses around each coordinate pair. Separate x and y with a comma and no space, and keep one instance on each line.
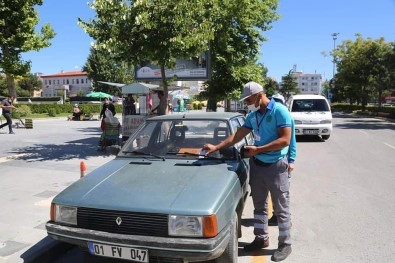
(271,86)
(235,48)
(288,86)
(159,31)
(102,66)
(30,83)
(364,68)
(18,19)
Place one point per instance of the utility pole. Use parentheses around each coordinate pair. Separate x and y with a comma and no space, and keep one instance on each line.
(334,36)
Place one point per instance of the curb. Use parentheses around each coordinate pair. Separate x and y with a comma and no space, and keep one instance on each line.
(45,251)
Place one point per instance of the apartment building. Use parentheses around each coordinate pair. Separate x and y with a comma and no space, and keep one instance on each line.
(308,83)
(70,83)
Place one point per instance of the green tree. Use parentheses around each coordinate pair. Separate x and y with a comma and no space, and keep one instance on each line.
(3,85)
(271,86)
(288,86)
(18,19)
(30,83)
(235,48)
(102,66)
(364,69)
(159,31)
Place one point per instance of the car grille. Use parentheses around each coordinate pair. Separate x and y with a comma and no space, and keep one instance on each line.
(146,224)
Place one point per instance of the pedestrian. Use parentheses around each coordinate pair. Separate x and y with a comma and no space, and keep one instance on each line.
(106,105)
(271,123)
(7,107)
(291,154)
(76,113)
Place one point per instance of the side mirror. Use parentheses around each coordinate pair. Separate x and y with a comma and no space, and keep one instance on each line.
(114,149)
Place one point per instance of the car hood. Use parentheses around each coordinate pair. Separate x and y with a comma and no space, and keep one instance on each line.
(155,186)
(312,116)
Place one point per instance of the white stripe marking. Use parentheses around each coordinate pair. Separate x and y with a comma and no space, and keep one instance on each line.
(364,132)
(389,145)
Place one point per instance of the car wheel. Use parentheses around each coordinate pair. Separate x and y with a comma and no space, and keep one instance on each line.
(325,137)
(232,250)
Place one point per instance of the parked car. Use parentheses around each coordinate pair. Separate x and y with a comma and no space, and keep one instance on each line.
(312,115)
(161,199)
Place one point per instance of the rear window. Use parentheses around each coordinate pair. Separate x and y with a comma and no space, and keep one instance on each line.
(309,105)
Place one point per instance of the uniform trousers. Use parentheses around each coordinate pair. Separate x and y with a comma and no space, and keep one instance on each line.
(273,178)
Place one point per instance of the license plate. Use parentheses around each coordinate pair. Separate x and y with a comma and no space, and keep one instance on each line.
(310,131)
(128,253)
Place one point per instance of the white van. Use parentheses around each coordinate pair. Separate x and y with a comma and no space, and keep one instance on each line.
(312,115)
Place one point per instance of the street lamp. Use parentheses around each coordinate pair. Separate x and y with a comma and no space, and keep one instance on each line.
(334,36)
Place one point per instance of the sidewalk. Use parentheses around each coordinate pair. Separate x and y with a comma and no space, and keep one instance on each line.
(37,164)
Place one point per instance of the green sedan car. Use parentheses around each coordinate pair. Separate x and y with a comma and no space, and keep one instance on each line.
(162,199)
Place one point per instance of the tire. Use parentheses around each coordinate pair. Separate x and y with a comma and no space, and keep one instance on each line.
(325,137)
(232,250)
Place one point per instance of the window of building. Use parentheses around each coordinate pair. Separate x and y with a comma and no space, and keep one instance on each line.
(49,82)
(67,81)
(58,82)
(77,81)
(82,81)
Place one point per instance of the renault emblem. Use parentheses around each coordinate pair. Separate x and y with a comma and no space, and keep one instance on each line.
(118,220)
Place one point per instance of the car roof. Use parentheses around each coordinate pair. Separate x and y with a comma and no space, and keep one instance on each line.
(197,116)
(308,96)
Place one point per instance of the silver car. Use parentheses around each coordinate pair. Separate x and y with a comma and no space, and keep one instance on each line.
(162,199)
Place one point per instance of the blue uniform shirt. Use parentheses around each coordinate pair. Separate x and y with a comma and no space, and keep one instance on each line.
(265,125)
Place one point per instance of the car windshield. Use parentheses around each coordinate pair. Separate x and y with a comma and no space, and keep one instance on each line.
(301,105)
(181,139)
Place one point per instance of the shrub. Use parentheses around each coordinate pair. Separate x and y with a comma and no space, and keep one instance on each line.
(52,112)
(23,110)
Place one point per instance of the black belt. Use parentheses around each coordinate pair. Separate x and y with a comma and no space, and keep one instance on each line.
(260,163)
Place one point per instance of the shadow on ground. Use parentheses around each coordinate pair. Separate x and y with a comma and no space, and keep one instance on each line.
(76,149)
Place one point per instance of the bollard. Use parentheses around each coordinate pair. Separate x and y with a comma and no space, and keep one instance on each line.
(82,169)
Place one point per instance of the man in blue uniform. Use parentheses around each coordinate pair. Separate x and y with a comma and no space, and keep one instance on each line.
(271,123)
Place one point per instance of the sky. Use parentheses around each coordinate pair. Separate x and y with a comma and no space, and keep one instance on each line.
(300,38)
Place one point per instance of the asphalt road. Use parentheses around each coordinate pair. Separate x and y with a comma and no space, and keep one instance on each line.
(342,192)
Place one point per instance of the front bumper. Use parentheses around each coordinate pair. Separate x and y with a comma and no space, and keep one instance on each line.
(189,249)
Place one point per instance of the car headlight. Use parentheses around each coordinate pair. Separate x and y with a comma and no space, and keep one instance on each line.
(64,214)
(329,121)
(298,122)
(193,226)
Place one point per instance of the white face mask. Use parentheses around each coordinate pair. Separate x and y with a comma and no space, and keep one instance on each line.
(252,107)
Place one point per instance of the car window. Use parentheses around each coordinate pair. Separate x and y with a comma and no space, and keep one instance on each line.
(178,139)
(249,138)
(300,105)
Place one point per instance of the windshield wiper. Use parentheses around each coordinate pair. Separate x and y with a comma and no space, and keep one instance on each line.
(144,153)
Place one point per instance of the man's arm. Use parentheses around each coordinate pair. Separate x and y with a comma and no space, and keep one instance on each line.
(229,141)
(283,141)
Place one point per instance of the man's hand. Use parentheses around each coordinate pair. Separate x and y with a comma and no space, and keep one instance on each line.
(291,167)
(250,150)
(209,148)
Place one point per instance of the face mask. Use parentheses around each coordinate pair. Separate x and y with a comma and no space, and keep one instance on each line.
(252,107)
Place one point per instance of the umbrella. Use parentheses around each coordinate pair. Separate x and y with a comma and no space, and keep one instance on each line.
(98,94)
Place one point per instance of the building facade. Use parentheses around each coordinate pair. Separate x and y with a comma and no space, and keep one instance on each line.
(66,83)
(308,83)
